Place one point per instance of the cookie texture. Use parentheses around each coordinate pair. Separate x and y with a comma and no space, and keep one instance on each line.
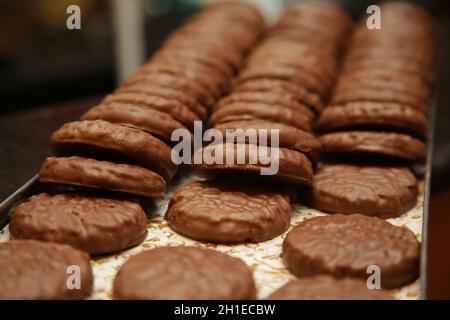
(256,110)
(384,144)
(218,211)
(346,245)
(36,270)
(272,98)
(93,173)
(278,164)
(373,115)
(171,107)
(371,190)
(92,224)
(324,287)
(288,136)
(153,121)
(184,273)
(283,87)
(101,137)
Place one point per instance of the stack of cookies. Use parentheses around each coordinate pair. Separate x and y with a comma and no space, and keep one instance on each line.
(378,113)
(282,87)
(123,145)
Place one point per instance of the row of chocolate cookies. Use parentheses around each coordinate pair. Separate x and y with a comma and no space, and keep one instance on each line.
(375,116)
(378,113)
(331,255)
(121,148)
(281,88)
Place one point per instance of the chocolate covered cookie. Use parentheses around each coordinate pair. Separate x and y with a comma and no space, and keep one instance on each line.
(167,80)
(378,94)
(171,107)
(347,245)
(371,190)
(288,136)
(283,87)
(111,140)
(324,287)
(257,110)
(373,115)
(266,98)
(218,211)
(384,144)
(85,172)
(92,224)
(278,164)
(184,273)
(36,270)
(157,123)
(309,80)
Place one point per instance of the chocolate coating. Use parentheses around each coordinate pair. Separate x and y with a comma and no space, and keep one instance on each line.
(184,273)
(86,172)
(309,80)
(216,211)
(284,87)
(328,288)
(373,115)
(35,270)
(126,142)
(175,109)
(289,136)
(274,99)
(257,110)
(379,143)
(141,117)
(293,167)
(346,245)
(94,225)
(370,190)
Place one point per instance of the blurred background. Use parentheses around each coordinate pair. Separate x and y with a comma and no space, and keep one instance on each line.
(42,62)
(49,75)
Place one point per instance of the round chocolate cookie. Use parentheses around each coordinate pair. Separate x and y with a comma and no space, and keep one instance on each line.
(168,93)
(78,171)
(219,211)
(35,270)
(293,74)
(213,82)
(370,190)
(100,137)
(373,94)
(191,55)
(278,164)
(395,145)
(269,98)
(184,273)
(141,117)
(324,287)
(288,136)
(373,115)
(284,87)
(174,82)
(406,84)
(191,44)
(92,224)
(347,245)
(257,110)
(404,66)
(175,109)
